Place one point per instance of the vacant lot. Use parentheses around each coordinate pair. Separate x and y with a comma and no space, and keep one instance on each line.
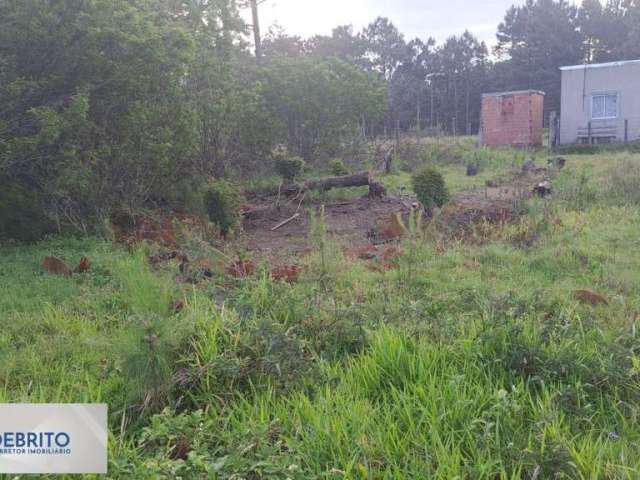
(508,349)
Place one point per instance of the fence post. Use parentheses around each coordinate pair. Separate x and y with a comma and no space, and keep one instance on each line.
(454,122)
(397,139)
(626,130)
(589,132)
(552,129)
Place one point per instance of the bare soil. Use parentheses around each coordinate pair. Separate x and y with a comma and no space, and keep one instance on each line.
(354,223)
(369,221)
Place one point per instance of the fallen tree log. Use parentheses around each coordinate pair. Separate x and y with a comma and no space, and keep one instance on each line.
(360,179)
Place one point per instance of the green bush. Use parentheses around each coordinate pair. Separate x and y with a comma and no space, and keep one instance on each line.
(222,202)
(429,186)
(288,166)
(21,214)
(338,168)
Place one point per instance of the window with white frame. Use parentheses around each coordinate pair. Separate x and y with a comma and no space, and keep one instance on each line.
(604,105)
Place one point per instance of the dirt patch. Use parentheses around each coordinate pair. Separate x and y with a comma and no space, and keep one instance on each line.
(357,222)
(279,233)
(286,273)
(471,211)
(159,229)
(378,258)
(469,208)
(131,230)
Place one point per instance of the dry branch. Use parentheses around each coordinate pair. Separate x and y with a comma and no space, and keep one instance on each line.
(287,221)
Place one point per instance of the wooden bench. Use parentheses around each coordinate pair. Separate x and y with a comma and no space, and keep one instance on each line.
(598,133)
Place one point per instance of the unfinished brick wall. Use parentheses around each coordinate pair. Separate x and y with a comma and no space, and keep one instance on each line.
(512,118)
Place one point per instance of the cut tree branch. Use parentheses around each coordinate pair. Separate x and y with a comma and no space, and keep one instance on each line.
(286,222)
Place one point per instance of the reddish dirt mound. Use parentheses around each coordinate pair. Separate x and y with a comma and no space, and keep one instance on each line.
(161,228)
(55,266)
(286,273)
(131,230)
(379,257)
(84,266)
(242,269)
(590,297)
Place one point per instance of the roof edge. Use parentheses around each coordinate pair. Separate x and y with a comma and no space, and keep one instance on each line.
(512,93)
(621,63)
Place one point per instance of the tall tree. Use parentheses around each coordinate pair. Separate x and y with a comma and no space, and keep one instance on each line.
(256,29)
(462,63)
(343,44)
(591,22)
(278,43)
(620,30)
(538,38)
(408,88)
(385,47)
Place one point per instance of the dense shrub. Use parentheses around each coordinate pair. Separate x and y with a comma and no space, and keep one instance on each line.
(429,186)
(21,215)
(222,202)
(338,168)
(140,97)
(288,166)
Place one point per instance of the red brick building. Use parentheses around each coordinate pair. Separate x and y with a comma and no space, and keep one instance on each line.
(512,119)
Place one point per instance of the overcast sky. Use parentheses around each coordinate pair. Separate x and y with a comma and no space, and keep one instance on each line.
(415,18)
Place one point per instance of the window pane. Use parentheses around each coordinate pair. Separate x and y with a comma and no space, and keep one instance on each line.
(597,110)
(611,106)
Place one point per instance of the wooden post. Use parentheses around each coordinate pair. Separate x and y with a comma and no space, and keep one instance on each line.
(256,30)
(432,119)
(553,129)
(397,139)
(418,121)
(626,130)
(454,123)
(589,132)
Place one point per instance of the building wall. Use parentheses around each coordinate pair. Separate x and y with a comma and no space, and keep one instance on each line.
(578,86)
(512,118)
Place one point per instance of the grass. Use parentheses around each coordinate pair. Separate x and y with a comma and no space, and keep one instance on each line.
(464,361)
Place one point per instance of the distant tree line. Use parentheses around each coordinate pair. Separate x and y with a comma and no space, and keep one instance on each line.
(439,86)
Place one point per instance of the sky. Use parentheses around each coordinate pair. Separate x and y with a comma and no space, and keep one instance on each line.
(415,18)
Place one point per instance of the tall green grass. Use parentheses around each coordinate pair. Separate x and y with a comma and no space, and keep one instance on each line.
(464,361)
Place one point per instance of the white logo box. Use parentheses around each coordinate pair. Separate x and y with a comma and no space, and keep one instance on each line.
(53,438)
